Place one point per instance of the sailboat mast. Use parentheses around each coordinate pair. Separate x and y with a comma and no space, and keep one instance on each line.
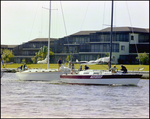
(111,35)
(49,34)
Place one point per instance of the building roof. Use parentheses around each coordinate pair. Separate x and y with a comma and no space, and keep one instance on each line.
(128,29)
(117,29)
(83,33)
(147,30)
(42,39)
(8,46)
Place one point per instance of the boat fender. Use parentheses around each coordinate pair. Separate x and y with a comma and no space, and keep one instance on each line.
(71,72)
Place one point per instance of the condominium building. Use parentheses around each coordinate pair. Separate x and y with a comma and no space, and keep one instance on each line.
(127,43)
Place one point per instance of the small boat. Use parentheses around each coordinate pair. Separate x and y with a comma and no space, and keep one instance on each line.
(102,77)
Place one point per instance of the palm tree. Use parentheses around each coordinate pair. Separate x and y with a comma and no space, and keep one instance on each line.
(42,53)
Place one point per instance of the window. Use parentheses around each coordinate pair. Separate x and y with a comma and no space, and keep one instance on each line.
(92,48)
(101,47)
(105,48)
(132,37)
(143,38)
(117,37)
(115,47)
(96,48)
(102,38)
(123,47)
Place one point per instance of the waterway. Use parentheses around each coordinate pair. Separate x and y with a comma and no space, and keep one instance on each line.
(37,99)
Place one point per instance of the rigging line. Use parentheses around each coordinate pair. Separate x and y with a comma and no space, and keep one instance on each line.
(115,14)
(103,22)
(103,14)
(57,21)
(133,32)
(85,15)
(41,20)
(65,28)
(33,21)
(115,32)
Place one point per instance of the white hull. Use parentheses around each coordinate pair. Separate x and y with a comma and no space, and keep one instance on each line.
(2,73)
(39,75)
(101,78)
(120,81)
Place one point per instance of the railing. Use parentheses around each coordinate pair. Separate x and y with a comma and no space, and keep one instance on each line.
(139,68)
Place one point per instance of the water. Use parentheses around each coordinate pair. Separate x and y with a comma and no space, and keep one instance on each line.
(45,100)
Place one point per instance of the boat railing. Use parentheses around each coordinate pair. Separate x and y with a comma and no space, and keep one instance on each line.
(138,68)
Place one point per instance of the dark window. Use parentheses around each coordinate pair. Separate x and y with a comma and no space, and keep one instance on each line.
(140,47)
(132,37)
(143,38)
(123,47)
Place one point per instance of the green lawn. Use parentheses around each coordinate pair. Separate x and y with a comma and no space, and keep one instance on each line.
(96,67)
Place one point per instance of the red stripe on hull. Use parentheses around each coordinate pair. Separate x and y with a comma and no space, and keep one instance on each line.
(99,76)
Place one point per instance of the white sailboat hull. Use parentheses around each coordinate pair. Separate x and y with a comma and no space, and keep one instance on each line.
(38,75)
(2,73)
(120,81)
(106,78)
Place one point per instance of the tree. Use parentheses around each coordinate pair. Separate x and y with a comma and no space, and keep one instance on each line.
(7,54)
(69,57)
(143,58)
(33,59)
(41,54)
(23,60)
(107,54)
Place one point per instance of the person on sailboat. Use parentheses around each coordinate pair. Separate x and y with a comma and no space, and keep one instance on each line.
(72,69)
(24,67)
(59,63)
(69,65)
(124,69)
(114,69)
(19,68)
(86,67)
(80,68)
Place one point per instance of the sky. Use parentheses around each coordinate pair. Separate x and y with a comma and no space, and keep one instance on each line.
(22,21)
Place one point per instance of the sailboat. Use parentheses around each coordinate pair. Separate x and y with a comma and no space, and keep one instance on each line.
(99,77)
(43,74)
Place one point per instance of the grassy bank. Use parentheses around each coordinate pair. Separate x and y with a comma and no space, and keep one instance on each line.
(96,67)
